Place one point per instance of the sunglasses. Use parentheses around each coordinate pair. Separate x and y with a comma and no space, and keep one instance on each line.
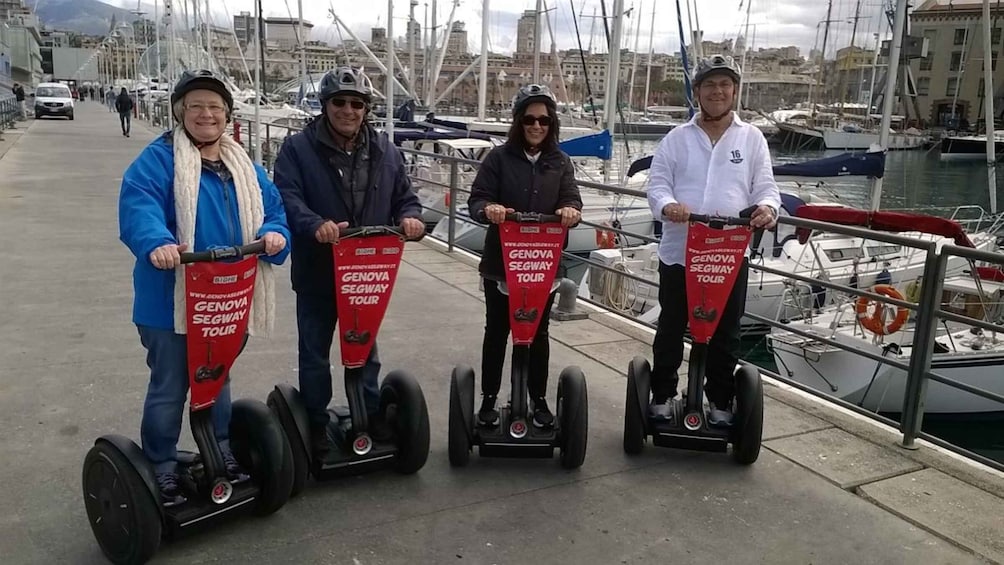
(544,121)
(356,104)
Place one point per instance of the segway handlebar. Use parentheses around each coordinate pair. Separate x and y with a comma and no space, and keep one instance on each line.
(532,218)
(718,221)
(364,231)
(223,253)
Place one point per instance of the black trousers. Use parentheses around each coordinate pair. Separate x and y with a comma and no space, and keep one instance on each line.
(497,336)
(667,348)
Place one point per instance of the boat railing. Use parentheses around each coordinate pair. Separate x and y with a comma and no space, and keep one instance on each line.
(928,311)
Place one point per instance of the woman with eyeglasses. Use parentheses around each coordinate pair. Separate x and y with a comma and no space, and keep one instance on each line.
(529,173)
(192,189)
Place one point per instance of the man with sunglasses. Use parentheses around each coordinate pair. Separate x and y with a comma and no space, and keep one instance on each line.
(339,172)
(714,164)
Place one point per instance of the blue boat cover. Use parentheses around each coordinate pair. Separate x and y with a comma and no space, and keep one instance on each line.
(867,164)
(591,145)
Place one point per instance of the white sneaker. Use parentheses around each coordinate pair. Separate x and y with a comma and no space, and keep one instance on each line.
(661,410)
(718,417)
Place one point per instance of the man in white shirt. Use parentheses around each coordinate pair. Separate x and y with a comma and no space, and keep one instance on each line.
(714,164)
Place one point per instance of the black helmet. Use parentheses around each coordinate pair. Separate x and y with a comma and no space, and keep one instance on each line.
(345,80)
(202,80)
(717,64)
(533,93)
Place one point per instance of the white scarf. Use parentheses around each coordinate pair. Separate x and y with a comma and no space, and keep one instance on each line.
(187,178)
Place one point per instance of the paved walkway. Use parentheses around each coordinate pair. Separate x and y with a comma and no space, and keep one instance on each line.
(828,488)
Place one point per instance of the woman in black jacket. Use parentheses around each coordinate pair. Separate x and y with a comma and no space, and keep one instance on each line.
(527,174)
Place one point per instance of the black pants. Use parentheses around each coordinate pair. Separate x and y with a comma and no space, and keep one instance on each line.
(125,118)
(667,348)
(497,335)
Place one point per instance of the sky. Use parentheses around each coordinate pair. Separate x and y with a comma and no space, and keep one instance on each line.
(772,23)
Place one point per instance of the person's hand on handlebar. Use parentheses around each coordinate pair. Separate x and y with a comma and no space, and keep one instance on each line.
(676,212)
(329,230)
(496,213)
(569,216)
(274,242)
(167,256)
(763,217)
(413,228)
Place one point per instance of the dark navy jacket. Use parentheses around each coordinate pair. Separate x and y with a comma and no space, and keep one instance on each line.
(312,193)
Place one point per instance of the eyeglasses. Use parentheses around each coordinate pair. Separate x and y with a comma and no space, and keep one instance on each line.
(529,120)
(197,108)
(355,104)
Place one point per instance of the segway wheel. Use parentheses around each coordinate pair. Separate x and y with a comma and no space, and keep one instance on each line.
(573,416)
(402,401)
(279,404)
(261,447)
(123,513)
(634,415)
(461,415)
(748,428)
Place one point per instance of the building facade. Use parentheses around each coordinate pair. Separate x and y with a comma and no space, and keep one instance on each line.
(457,43)
(284,32)
(949,79)
(526,40)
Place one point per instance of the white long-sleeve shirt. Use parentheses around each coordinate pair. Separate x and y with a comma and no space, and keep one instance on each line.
(723,179)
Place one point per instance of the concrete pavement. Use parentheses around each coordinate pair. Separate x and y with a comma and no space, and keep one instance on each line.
(828,487)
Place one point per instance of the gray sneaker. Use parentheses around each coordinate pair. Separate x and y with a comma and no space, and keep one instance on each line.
(719,417)
(661,410)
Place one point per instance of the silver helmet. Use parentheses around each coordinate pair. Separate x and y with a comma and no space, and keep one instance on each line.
(722,64)
(533,93)
(345,80)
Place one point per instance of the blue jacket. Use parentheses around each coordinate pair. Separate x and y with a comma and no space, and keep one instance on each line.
(310,189)
(147,221)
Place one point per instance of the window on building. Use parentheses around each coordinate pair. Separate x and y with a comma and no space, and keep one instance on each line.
(960,36)
(995,36)
(956,64)
(923,86)
(950,86)
(927,62)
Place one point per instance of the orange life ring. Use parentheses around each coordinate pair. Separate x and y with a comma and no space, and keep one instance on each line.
(875,323)
(605,239)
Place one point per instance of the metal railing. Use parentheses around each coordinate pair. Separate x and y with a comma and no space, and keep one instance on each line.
(928,307)
(10,111)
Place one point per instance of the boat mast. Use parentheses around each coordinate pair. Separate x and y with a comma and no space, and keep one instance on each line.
(389,86)
(536,44)
(840,85)
(255,135)
(822,61)
(648,69)
(634,56)
(613,75)
(890,92)
(989,116)
(746,48)
(483,82)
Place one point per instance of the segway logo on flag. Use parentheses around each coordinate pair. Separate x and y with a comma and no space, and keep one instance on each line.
(555,230)
(390,250)
(366,251)
(225,280)
(736,157)
(530,229)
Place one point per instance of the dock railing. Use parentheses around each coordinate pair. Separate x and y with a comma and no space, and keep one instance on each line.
(928,308)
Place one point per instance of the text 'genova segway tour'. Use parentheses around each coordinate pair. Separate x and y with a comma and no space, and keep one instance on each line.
(366,262)
(123,501)
(715,252)
(531,251)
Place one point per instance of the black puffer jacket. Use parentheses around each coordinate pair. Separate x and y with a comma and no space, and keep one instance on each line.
(508,178)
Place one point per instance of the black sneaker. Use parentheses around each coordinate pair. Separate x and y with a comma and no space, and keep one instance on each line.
(488,415)
(234,471)
(170,489)
(320,444)
(542,417)
(379,429)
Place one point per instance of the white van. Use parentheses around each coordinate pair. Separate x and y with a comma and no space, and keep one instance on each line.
(53,99)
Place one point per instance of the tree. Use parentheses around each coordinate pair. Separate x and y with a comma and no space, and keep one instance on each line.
(671,92)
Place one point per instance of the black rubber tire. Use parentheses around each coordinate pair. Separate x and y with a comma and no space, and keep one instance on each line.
(71,117)
(634,414)
(461,415)
(573,415)
(118,501)
(402,401)
(301,459)
(261,447)
(748,428)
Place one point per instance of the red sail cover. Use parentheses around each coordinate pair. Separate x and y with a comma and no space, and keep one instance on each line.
(365,271)
(218,302)
(883,221)
(714,257)
(530,253)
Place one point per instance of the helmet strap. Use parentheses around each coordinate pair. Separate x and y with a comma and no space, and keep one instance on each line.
(709,118)
(201,144)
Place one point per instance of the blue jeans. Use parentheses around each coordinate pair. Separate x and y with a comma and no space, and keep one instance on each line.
(166,355)
(126,120)
(316,317)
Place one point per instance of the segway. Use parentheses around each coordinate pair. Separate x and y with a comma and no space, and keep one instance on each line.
(121,496)
(714,257)
(531,251)
(366,263)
